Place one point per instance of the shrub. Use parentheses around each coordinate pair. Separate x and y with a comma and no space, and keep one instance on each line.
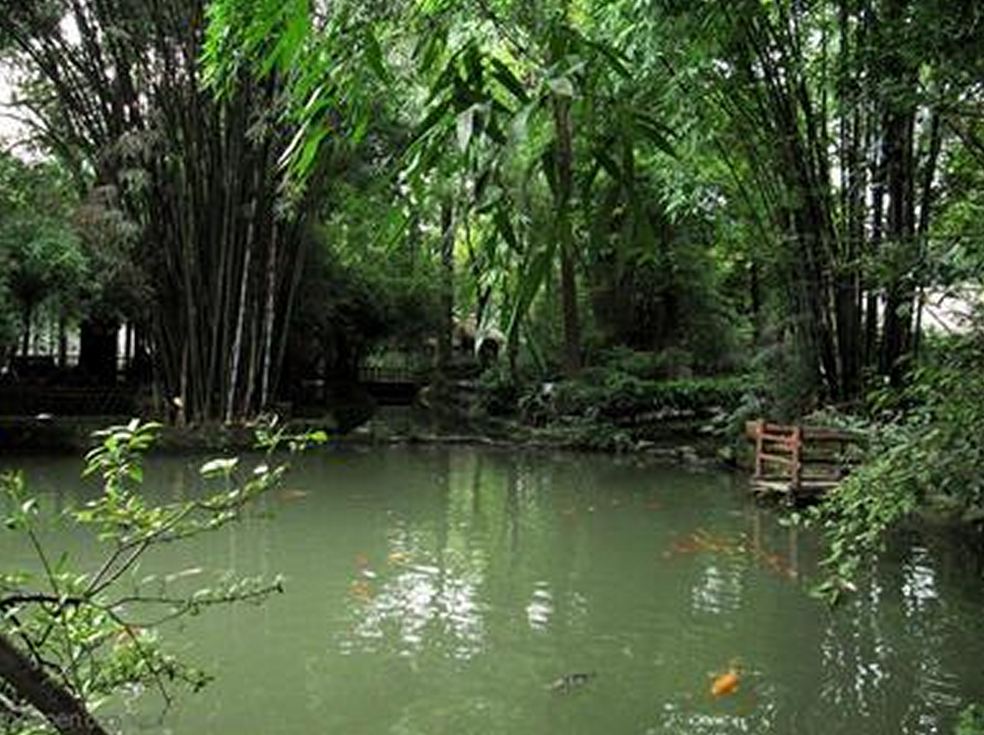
(618,395)
(927,450)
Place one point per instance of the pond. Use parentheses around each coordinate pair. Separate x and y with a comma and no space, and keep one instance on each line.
(436,590)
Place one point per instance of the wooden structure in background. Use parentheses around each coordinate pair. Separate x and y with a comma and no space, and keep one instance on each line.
(799,461)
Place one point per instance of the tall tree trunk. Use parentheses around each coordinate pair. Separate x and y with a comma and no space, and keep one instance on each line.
(446,328)
(872,305)
(269,322)
(900,232)
(237,341)
(934,147)
(900,83)
(563,231)
(98,349)
(26,339)
(62,342)
(847,279)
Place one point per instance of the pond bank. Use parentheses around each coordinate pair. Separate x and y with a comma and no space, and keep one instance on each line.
(681,441)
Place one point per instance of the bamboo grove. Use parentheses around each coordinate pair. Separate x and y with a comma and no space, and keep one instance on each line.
(118,89)
(818,158)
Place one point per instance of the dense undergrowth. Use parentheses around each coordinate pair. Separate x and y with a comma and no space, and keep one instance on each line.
(615,405)
(925,454)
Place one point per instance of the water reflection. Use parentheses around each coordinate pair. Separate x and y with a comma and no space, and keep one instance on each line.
(436,590)
(420,606)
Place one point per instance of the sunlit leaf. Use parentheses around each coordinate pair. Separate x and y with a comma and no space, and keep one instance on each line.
(503,74)
(561,86)
(464,128)
(219,467)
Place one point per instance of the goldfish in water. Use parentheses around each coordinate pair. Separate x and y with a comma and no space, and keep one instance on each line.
(726,683)
(398,557)
(361,590)
(288,494)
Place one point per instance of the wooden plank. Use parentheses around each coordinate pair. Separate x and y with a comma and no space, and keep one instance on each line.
(757,429)
(832,435)
(771,486)
(777,458)
(796,470)
(817,484)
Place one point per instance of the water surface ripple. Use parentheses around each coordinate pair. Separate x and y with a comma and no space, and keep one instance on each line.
(451,590)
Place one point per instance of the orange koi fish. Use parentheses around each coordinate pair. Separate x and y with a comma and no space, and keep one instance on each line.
(726,683)
(398,557)
(361,591)
(288,494)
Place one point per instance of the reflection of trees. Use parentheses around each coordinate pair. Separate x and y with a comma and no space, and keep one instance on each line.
(493,536)
(889,653)
(429,601)
(509,580)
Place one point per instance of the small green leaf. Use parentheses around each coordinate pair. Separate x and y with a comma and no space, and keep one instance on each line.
(561,86)
(503,74)
(219,467)
(465,126)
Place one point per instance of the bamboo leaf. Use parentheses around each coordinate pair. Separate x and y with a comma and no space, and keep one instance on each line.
(503,74)
(519,125)
(302,165)
(494,132)
(608,163)
(431,47)
(481,183)
(532,279)
(655,132)
(504,226)
(547,160)
(431,124)
(290,41)
(561,86)
(464,128)
(374,55)
(616,60)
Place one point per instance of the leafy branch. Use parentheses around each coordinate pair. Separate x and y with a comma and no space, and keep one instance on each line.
(81,636)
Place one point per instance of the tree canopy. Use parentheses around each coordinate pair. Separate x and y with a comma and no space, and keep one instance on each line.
(778,182)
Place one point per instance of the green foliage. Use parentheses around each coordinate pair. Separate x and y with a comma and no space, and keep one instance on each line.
(499,394)
(94,632)
(10,325)
(43,264)
(354,299)
(789,380)
(856,516)
(620,397)
(672,362)
(118,285)
(971,721)
(927,451)
(331,70)
(597,436)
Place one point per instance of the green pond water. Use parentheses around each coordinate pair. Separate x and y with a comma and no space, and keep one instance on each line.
(434,591)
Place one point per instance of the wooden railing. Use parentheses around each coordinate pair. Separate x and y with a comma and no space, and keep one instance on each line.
(799,459)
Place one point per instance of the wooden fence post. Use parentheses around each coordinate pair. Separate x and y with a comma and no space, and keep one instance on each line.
(759,441)
(796,467)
